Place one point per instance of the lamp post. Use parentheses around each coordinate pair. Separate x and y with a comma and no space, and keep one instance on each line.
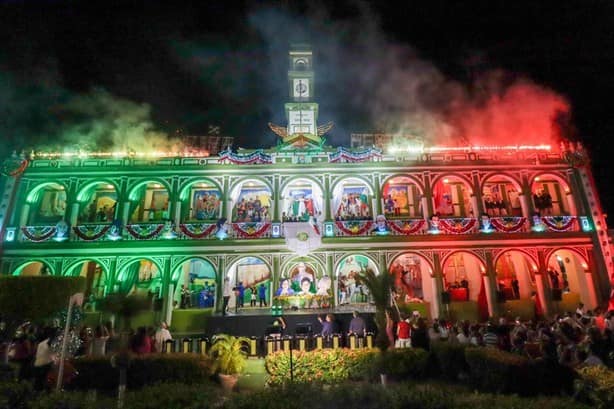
(75,299)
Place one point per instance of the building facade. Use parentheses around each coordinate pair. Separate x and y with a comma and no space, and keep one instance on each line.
(510,230)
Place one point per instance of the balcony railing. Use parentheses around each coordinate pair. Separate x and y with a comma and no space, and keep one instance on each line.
(340,228)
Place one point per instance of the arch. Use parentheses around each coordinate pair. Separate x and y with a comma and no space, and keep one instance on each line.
(352,198)
(132,191)
(195,280)
(567,268)
(348,288)
(551,194)
(150,200)
(135,272)
(32,196)
(515,270)
(452,195)
(252,200)
(402,196)
(460,271)
(356,177)
(301,198)
(37,268)
(201,199)
(293,179)
(184,190)
(414,179)
(501,195)
(96,280)
(251,271)
(98,201)
(84,192)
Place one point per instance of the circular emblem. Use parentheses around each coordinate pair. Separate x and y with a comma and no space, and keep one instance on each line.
(302,236)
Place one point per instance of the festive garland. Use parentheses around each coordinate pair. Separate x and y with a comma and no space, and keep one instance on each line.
(39,233)
(196,231)
(406,227)
(251,230)
(91,232)
(144,231)
(354,228)
(14,167)
(508,224)
(257,157)
(457,226)
(352,157)
(559,223)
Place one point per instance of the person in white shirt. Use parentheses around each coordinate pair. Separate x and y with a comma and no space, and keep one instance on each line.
(226,294)
(43,361)
(161,336)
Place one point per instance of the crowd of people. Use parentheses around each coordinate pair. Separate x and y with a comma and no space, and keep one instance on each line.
(583,338)
(35,351)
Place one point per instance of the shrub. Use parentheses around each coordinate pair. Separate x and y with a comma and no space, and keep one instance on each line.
(502,372)
(450,359)
(71,400)
(14,395)
(327,366)
(173,396)
(596,386)
(97,373)
(405,363)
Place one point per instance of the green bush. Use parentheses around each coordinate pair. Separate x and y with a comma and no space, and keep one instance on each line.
(97,373)
(327,366)
(450,359)
(14,395)
(502,372)
(173,396)
(71,400)
(403,363)
(596,386)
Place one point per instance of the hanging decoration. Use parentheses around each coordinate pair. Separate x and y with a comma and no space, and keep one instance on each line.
(72,344)
(14,166)
(144,231)
(251,230)
(39,233)
(91,232)
(75,319)
(461,225)
(354,227)
(406,227)
(508,224)
(346,155)
(559,223)
(197,230)
(257,157)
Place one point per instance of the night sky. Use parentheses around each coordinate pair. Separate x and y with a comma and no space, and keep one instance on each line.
(96,75)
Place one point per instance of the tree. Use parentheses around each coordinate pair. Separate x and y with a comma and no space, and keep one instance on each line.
(380,289)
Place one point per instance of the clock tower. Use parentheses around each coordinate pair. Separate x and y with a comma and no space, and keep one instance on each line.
(301,112)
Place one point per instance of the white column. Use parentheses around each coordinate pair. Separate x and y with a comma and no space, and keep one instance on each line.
(74,213)
(489,295)
(474,207)
(435,312)
(374,208)
(177,213)
(25,213)
(425,208)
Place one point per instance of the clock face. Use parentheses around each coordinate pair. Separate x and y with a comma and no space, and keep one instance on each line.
(301,88)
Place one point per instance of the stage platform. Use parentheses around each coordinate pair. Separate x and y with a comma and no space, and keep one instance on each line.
(255,321)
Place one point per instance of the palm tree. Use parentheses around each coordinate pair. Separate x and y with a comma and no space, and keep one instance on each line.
(228,354)
(380,289)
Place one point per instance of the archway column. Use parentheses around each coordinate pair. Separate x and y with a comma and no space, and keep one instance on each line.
(591,266)
(477,201)
(490,284)
(167,292)
(377,197)
(427,198)
(23,221)
(542,284)
(219,288)
(276,199)
(327,199)
(437,307)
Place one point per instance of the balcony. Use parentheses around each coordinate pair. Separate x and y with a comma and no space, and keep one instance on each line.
(97,232)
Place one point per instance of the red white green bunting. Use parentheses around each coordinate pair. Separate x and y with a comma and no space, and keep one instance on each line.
(144,231)
(559,223)
(458,225)
(508,224)
(251,230)
(39,233)
(354,228)
(406,227)
(197,230)
(91,232)
(258,157)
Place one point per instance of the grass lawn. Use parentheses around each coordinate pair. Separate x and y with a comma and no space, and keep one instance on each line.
(254,376)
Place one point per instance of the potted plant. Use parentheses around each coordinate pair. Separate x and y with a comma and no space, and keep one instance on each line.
(229,357)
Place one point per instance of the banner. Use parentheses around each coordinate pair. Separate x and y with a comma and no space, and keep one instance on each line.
(457,225)
(91,232)
(197,230)
(251,230)
(144,231)
(508,224)
(354,227)
(406,227)
(559,223)
(39,233)
(255,158)
(345,155)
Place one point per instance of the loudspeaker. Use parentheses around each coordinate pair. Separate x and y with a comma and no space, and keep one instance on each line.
(445,297)
(557,294)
